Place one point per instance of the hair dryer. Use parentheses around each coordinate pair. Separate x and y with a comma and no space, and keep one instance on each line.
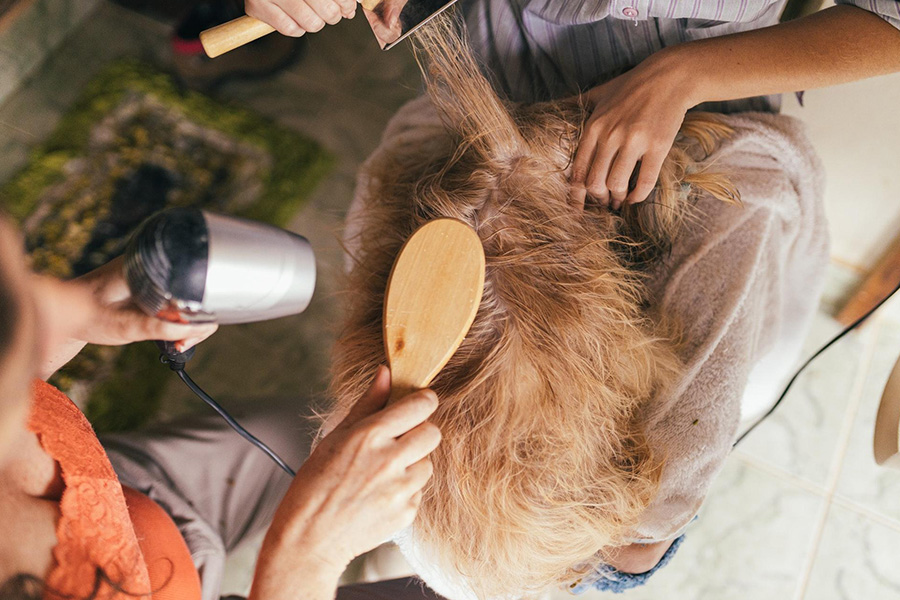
(192,266)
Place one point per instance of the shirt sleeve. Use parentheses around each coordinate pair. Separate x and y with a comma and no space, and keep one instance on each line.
(889,10)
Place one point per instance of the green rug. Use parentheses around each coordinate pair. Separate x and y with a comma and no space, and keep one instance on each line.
(133,144)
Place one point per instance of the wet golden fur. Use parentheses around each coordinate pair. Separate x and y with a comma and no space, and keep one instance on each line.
(543,461)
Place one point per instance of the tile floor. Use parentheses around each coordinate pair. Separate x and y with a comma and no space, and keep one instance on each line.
(800,510)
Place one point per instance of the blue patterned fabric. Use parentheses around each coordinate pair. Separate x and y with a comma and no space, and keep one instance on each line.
(607,579)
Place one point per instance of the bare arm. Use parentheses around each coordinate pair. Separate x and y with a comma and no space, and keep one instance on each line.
(637,115)
(362,483)
(833,46)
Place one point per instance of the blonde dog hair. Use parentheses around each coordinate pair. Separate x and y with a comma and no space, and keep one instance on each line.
(543,460)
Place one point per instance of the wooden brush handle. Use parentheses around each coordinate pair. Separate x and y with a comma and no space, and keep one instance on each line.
(233,34)
(401,391)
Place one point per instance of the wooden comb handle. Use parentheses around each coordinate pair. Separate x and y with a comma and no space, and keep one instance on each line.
(233,34)
(223,38)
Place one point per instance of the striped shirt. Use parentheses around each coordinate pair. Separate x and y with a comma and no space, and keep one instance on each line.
(538,50)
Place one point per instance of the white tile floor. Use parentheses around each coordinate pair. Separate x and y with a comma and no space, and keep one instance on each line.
(800,511)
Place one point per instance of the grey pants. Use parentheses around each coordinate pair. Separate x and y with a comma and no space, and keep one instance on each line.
(221,490)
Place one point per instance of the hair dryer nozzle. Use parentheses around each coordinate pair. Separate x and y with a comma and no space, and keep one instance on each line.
(192,266)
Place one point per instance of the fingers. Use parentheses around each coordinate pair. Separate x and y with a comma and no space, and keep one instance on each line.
(408,494)
(305,14)
(417,475)
(348,7)
(271,13)
(373,400)
(648,175)
(405,414)
(418,443)
(296,17)
(597,186)
(611,172)
(581,167)
(186,344)
(124,324)
(620,174)
(329,11)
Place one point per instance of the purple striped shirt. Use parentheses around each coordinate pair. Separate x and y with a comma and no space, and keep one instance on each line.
(541,49)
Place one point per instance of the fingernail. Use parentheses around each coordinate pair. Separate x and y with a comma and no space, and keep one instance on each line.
(189,342)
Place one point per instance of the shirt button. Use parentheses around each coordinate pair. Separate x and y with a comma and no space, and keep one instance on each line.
(630,12)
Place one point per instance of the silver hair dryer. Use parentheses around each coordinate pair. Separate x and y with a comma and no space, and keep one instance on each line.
(192,266)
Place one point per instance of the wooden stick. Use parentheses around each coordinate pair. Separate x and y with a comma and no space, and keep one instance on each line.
(878,284)
(233,34)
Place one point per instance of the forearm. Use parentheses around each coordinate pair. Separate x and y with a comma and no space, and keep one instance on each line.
(836,45)
(59,356)
(284,573)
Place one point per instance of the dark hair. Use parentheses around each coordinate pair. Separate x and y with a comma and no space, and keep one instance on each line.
(22,587)
(29,587)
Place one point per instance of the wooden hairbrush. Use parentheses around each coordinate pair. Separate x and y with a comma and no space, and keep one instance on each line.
(432,295)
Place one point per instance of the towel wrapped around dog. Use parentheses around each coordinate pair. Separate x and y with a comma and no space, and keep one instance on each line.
(742,280)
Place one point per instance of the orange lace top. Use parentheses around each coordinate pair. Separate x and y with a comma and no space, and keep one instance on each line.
(103,526)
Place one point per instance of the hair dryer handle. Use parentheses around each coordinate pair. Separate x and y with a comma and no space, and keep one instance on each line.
(172,357)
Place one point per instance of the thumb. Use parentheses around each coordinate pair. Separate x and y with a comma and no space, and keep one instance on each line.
(373,400)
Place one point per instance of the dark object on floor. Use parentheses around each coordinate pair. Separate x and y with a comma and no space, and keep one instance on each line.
(407,588)
(264,57)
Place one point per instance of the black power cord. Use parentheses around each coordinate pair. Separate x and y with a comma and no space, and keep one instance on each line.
(815,355)
(176,361)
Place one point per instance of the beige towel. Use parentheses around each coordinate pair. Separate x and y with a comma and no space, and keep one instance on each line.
(745,283)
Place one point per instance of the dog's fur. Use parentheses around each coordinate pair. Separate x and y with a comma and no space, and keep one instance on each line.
(543,461)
